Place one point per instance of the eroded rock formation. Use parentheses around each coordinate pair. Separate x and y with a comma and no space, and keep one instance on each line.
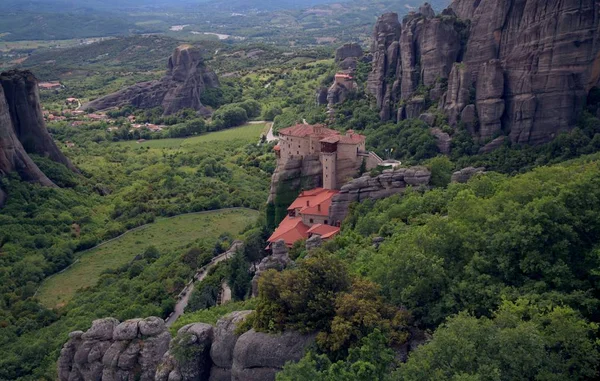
(23,99)
(278,260)
(110,350)
(142,349)
(297,173)
(23,131)
(186,79)
(523,67)
(388,183)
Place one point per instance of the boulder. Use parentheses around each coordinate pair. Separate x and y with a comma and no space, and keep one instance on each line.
(442,140)
(428,118)
(426,11)
(314,243)
(350,50)
(127,330)
(259,356)
(465,174)
(151,326)
(102,329)
(225,338)
(493,145)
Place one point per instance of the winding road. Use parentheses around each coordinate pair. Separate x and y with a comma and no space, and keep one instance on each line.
(184,295)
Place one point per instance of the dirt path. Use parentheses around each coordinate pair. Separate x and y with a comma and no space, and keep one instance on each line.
(184,296)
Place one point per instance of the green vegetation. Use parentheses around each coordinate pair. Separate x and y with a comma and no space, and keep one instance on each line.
(164,234)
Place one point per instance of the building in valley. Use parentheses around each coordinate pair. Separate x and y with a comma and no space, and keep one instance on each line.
(307,216)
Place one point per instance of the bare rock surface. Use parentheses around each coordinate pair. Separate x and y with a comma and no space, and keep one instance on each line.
(465,174)
(388,183)
(525,66)
(22,97)
(259,356)
(350,50)
(110,350)
(187,77)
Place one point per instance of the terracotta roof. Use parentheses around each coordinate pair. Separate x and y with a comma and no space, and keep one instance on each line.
(325,231)
(291,229)
(303,130)
(277,148)
(331,139)
(310,200)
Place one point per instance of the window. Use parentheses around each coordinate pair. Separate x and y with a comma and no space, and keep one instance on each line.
(297,152)
(311,221)
(326,222)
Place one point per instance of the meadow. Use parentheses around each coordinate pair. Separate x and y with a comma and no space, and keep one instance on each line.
(247,133)
(165,234)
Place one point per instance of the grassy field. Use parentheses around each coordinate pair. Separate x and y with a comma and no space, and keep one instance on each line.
(248,133)
(165,234)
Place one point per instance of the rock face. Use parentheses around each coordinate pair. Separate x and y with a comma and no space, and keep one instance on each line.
(23,99)
(201,352)
(297,172)
(110,350)
(23,131)
(390,182)
(142,349)
(465,174)
(525,66)
(350,50)
(259,356)
(278,260)
(186,79)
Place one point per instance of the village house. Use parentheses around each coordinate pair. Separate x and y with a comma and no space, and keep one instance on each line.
(307,216)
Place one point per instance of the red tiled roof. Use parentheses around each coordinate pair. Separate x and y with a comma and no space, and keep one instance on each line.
(311,199)
(351,137)
(291,229)
(316,211)
(277,148)
(303,130)
(325,231)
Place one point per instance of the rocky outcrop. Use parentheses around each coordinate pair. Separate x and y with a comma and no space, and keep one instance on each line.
(313,243)
(493,145)
(390,182)
(442,140)
(525,66)
(465,174)
(142,349)
(278,260)
(259,356)
(350,50)
(23,100)
(110,350)
(186,79)
(23,131)
(297,173)
(338,92)
(188,357)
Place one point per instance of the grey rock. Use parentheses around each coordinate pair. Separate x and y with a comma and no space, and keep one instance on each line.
(493,145)
(490,105)
(458,95)
(465,174)
(442,139)
(225,338)
(415,107)
(322,96)
(350,50)
(258,356)
(151,326)
(314,243)
(21,93)
(278,260)
(152,353)
(468,117)
(127,330)
(427,11)
(102,329)
(428,118)
(186,79)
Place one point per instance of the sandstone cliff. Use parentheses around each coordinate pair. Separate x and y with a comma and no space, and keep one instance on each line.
(142,349)
(515,68)
(187,77)
(390,182)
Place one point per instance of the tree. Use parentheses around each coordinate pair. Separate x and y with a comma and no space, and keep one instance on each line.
(522,342)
